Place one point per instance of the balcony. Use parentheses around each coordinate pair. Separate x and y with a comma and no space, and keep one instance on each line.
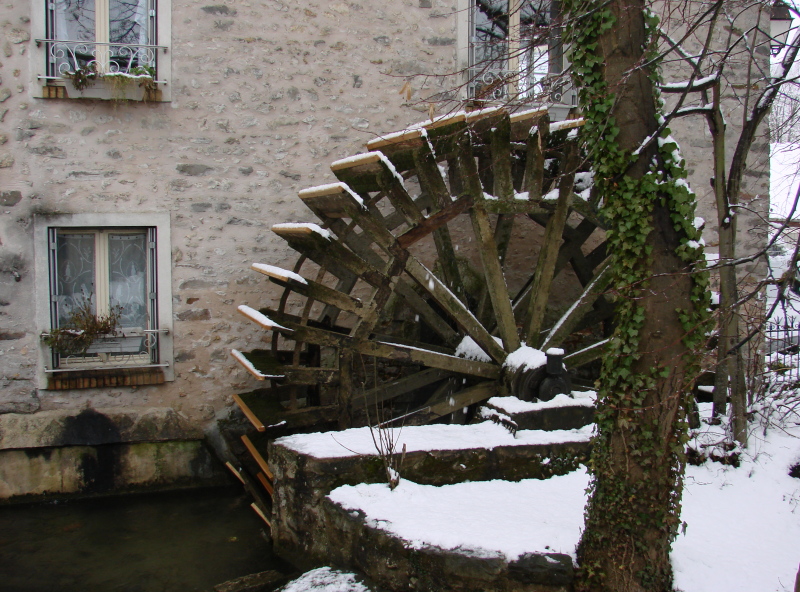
(103,70)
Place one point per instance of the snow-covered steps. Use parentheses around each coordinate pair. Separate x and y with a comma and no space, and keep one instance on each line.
(307,467)
(562,412)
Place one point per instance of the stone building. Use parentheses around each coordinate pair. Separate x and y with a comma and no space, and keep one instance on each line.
(155,191)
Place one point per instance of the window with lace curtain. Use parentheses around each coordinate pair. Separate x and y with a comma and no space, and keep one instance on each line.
(106,285)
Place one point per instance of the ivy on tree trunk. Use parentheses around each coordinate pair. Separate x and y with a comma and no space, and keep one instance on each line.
(637,465)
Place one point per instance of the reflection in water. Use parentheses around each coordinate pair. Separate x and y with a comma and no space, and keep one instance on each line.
(182,541)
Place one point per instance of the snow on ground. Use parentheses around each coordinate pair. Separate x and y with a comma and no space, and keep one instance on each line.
(743,524)
(430,437)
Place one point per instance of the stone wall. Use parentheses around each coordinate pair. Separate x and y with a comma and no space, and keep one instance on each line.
(262,97)
(101,451)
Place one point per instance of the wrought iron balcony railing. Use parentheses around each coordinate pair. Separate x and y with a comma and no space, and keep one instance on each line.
(65,57)
(495,85)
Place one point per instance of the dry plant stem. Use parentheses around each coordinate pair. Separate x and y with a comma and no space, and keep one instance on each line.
(385,442)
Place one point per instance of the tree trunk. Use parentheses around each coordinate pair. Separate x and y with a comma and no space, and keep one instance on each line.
(637,464)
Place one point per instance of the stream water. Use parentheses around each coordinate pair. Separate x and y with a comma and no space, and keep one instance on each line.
(183,541)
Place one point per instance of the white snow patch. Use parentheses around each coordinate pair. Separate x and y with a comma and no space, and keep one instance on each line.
(259,317)
(547,515)
(551,196)
(328,187)
(515,405)
(358,441)
(278,272)
(391,167)
(742,523)
(325,579)
(525,357)
(565,124)
(470,350)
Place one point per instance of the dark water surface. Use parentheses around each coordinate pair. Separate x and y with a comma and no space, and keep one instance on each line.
(169,542)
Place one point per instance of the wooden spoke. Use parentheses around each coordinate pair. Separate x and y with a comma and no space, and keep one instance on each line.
(385,392)
(413,259)
(545,267)
(312,289)
(450,403)
(570,320)
(495,282)
(534,163)
(392,351)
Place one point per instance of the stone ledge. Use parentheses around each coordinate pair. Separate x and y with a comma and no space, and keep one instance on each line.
(301,513)
(92,427)
(385,559)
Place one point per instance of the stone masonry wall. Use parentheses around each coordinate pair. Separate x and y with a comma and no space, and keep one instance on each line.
(264,95)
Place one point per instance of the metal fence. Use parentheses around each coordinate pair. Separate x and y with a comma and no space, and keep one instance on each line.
(783,349)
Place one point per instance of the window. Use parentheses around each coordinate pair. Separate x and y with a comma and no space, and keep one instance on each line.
(108,272)
(101,271)
(108,37)
(514,51)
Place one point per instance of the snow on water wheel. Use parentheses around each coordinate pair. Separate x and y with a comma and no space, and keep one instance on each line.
(435,259)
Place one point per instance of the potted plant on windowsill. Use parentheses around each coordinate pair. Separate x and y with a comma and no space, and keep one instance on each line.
(120,84)
(82,329)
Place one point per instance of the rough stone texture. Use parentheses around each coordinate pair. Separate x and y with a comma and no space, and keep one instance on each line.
(300,511)
(388,561)
(28,475)
(10,198)
(256,90)
(92,427)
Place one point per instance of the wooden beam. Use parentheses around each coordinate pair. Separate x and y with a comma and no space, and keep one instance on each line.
(450,403)
(548,255)
(569,321)
(533,180)
(586,355)
(235,472)
(248,413)
(257,456)
(395,351)
(399,387)
(261,514)
(493,272)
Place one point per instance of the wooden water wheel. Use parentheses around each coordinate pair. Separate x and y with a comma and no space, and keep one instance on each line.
(439,254)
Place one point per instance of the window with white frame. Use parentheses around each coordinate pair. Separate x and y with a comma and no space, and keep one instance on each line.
(105,273)
(102,38)
(108,272)
(514,50)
